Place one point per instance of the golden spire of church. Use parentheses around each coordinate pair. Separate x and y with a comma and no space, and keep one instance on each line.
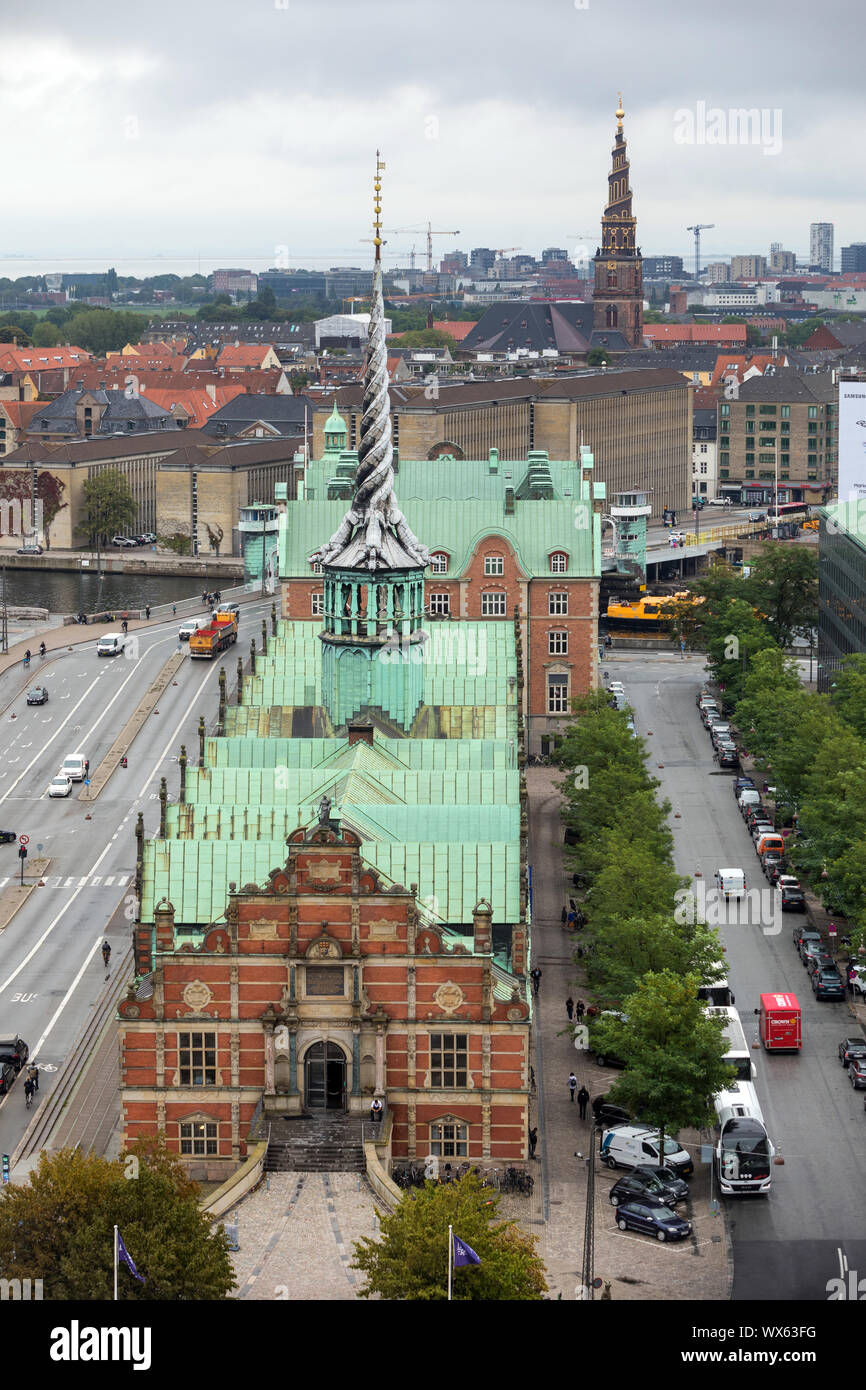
(377,206)
(619,115)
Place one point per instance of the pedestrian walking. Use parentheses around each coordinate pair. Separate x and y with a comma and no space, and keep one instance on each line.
(376,1109)
(533,1140)
(572,1086)
(147,612)
(174,610)
(580,1010)
(583,1101)
(564,915)
(33,1074)
(572,921)
(125,626)
(569,1008)
(535,976)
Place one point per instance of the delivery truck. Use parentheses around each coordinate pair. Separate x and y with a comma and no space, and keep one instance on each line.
(780,1023)
(211,640)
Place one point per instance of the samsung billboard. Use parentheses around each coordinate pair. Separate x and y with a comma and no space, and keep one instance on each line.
(852,441)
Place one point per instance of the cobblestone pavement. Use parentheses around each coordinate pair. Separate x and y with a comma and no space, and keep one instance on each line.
(296,1235)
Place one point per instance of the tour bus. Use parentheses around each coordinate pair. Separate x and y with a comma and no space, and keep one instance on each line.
(737,1052)
(718,994)
(743,1152)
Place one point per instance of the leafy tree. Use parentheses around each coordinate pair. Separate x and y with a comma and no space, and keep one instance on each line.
(630,948)
(104,330)
(60,1228)
(425,338)
(633,880)
(410,1260)
(849,696)
(46,334)
(108,505)
(673,1051)
(597,357)
(13,333)
(783,585)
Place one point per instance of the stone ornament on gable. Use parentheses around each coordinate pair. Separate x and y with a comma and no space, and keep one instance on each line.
(449,997)
(197,995)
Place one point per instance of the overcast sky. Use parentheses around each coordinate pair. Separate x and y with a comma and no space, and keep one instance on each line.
(234,128)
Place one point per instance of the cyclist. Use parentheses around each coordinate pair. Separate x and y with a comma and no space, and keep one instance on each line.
(42,649)
(106,954)
(29,1088)
(27,657)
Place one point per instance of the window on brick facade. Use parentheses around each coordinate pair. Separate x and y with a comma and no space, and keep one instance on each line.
(449,1054)
(494,564)
(557,642)
(439,562)
(198,1139)
(448,1139)
(786,412)
(317,605)
(197,1059)
(557,603)
(557,694)
(440,603)
(558,562)
(493,604)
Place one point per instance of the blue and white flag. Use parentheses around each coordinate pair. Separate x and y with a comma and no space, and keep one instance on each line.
(124,1255)
(464,1254)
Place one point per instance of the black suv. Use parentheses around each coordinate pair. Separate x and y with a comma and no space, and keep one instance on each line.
(15,1050)
(633,1189)
(851,1047)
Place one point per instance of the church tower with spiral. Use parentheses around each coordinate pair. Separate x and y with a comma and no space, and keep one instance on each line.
(373,642)
(617,294)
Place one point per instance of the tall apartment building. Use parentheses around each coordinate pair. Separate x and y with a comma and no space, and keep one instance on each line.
(662,265)
(748,267)
(717,273)
(785,422)
(854,256)
(821,246)
(234,282)
(785,262)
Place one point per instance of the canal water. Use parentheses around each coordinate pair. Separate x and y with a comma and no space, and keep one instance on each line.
(65,591)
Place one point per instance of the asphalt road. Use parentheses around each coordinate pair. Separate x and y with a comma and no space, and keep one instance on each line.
(788,1245)
(51,970)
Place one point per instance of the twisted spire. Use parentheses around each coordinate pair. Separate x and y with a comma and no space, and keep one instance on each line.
(374,533)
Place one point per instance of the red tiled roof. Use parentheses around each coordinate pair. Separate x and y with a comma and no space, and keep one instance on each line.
(456,329)
(194,401)
(727,364)
(695,332)
(244,354)
(16,359)
(20,413)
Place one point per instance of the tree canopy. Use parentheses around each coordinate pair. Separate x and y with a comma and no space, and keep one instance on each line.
(108,505)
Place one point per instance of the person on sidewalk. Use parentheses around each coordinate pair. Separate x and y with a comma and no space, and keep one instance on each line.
(572,1086)
(569,1008)
(533,1140)
(564,915)
(535,976)
(583,1101)
(580,1010)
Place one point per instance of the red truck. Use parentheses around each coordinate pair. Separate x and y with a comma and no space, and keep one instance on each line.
(211,640)
(780,1023)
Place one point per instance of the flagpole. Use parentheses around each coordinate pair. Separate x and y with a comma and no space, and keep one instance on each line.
(450,1253)
(115,1264)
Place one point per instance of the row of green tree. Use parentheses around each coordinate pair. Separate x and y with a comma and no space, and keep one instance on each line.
(644,967)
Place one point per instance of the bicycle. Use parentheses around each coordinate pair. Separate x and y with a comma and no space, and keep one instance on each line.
(106,955)
(28,1094)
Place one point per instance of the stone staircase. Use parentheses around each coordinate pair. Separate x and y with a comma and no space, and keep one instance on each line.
(326,1143)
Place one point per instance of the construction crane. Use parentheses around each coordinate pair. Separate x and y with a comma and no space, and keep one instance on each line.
(697,229)
(431,232)
(501,250)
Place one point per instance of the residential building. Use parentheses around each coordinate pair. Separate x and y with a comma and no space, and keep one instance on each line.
(80,413)
(722,335)
(821,246)
(481,259)
(260,417)
(837,335)
(36,360)
(785,262)
(717,273)
(748,267)
(341,282)
(617,294)
(247,357)
(853,258)
(785,424)
(234,282)
(662,266)
(293,964)
(705,472)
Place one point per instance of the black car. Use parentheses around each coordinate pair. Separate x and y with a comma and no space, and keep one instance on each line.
(821,960)
(633,1189)
(828,984)
(15,1050)
(677,1189)
(660,1222)
(857,1073)
(8,837)
(7,1077)
(607,1114)
(37,696)
(793,900)
(851,1047)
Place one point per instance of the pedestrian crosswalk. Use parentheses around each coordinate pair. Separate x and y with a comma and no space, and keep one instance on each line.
(74,881)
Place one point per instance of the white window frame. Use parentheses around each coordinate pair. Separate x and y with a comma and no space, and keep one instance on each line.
(440,603)
(494,566)
(197,1144)
(559,562)
(317,605)
(449,1139)
(557,641)
(557,681)
(490,599)
(439,562)
(557,603)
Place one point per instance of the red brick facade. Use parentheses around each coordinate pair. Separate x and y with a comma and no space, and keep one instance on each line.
(325,954)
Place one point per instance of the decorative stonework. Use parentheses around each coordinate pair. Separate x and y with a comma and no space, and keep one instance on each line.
(263,929)
(449,997)
(197,996)
(382,930)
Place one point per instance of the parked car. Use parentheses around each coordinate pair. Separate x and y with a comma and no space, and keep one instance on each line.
(729,757)
(857,1073)
(60,785)
(719,502)
(660,1222)
(791,899)
(820,961)
(8,837)
(13,1049)
(7,1077)
(799,932)
(857,979)
(828,984)
(121,542)
(37,696)
(850,1048)
(810,950)
(632,1189)
(770,861)
(29,550)
(607,1114)
(678,1189)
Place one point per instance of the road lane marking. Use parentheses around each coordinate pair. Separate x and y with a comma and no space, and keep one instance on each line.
(46,744)
(173,736)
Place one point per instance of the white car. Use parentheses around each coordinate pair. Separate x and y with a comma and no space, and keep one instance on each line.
(719,502)
(858,980)
(60,786)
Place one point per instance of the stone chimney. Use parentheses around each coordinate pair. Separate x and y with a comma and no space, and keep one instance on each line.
(482,927)
(163,926)
(360,733)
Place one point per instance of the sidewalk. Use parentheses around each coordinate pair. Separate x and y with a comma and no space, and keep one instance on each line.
(635,1266)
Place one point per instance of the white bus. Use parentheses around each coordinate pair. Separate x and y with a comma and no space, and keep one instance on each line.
(743,1154)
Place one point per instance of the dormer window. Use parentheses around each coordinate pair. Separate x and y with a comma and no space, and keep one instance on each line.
(439,562)
(317,567)
(558,562)
(494,564)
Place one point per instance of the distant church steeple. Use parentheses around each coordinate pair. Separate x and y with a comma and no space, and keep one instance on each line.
(618,289)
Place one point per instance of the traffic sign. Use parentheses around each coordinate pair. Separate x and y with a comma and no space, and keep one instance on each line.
(24,839)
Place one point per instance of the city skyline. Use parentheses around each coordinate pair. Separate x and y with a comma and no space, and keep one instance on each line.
(249,139)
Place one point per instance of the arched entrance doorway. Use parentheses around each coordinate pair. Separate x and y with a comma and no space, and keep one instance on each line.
(325,1077)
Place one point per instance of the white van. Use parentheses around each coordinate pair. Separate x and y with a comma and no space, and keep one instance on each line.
(749,796)
(186,630)
(731,882)
(629,1146)
(112,644)
(75,767)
